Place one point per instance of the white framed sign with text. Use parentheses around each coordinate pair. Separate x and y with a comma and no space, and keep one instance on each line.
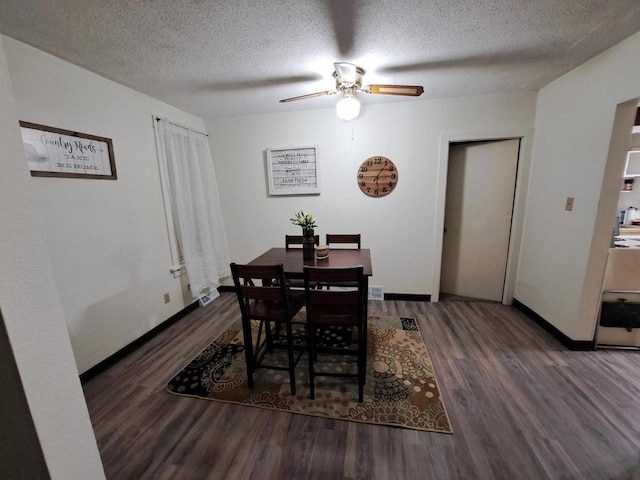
(54,152)
(293,171)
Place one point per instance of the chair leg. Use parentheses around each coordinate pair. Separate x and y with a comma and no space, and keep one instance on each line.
(311,347)
(248,350)
(292,365)
(268,336)
(362,364)
(365,334)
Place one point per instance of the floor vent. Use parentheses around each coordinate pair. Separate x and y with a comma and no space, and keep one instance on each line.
(205,299)
(376,292)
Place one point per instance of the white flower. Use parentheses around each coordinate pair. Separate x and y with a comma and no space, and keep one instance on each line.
(306,220)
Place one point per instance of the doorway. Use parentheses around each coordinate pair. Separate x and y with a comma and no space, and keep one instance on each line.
(480,189)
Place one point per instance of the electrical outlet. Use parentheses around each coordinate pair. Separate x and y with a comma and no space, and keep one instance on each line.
(569,205)
(167,298)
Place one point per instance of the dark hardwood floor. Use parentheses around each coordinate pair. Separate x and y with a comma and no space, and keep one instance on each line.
(521,406)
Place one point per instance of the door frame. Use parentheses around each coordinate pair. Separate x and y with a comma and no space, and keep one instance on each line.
(517,219)
(623,121)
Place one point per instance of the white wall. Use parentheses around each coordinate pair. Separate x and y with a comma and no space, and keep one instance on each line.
(108,239)
(574,123)
(34,319)
(399,228)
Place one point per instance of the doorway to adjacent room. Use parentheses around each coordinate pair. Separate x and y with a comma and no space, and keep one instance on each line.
(481,184)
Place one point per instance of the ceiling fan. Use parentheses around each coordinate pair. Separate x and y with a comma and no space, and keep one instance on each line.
(349,81)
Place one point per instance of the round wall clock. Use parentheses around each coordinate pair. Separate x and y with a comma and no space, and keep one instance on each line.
(377,176)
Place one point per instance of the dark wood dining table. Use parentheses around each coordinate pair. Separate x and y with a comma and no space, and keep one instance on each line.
(293,264)
(291,260)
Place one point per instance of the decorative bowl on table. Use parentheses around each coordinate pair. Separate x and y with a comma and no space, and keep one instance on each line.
(322,252)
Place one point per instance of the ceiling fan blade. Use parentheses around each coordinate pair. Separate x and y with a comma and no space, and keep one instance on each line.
(309,95)
(406,90)
(345,72)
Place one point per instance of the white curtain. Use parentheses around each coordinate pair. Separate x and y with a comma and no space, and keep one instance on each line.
(195,205)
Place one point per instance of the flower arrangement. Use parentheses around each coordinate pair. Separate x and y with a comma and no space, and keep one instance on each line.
(305,220)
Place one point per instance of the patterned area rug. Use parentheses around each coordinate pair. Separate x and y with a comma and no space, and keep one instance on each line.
(401,388)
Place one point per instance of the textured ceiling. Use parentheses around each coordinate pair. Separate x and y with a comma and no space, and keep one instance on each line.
(220,58)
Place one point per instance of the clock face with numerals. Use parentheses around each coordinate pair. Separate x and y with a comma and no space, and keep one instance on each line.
(377,176)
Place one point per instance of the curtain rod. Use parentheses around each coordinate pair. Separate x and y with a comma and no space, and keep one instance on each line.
(157,119)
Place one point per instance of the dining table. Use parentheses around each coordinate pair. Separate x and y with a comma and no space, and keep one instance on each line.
(293,263)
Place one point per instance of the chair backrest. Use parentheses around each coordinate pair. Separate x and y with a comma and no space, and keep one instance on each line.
(263,283)
(353,238)
(342,303)
(295,241)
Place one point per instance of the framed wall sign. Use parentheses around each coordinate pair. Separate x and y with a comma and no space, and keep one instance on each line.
(293,171)
(54,152)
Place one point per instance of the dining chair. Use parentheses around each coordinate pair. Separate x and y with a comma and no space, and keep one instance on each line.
(295,241)
(265,298)
(336,313)
(351,238)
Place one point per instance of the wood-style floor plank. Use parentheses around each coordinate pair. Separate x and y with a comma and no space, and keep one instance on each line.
(521,406)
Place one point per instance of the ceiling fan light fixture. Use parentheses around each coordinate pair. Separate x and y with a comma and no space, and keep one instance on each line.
(348,108)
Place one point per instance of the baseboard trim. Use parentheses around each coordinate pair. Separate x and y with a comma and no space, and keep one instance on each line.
(407,297)
(577,345)
(126,350)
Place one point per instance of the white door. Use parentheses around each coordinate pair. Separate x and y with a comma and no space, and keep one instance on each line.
(479,204)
